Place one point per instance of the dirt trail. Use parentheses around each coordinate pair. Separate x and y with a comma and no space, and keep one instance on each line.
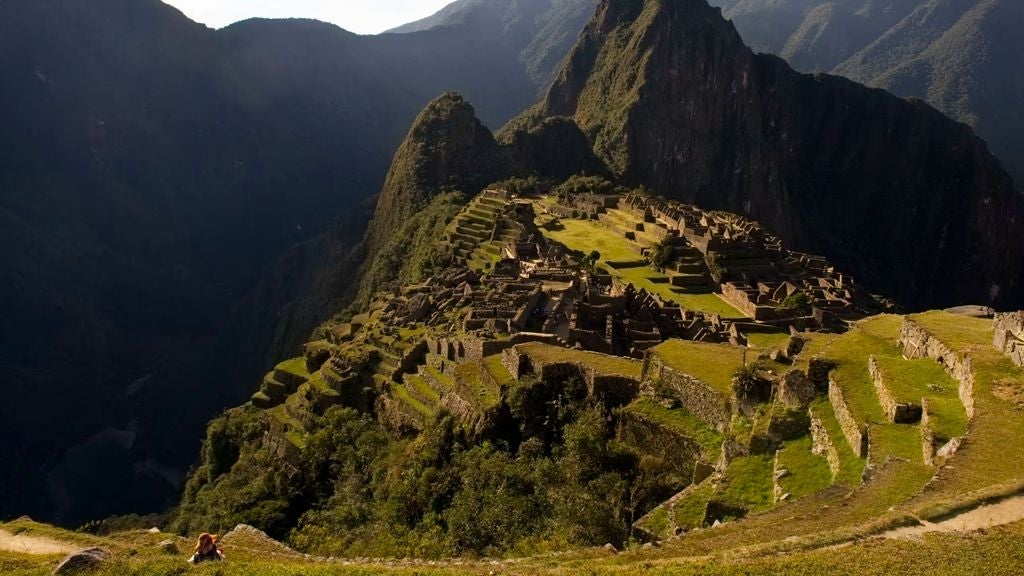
(34,544)
(997,514)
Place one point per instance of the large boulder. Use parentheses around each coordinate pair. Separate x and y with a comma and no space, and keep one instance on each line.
(82,561)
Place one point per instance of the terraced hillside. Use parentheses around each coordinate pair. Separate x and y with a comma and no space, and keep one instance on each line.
(720,451)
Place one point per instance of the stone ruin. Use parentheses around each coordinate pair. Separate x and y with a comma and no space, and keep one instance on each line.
(1009,336)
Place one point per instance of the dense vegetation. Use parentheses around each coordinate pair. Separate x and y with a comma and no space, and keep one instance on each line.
(553,479)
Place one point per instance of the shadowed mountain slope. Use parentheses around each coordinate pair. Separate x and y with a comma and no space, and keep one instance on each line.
(153,173)
(909,200)
(964,57)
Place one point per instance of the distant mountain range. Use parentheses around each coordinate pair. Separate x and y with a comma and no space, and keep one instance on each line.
(151,171)
(965,57)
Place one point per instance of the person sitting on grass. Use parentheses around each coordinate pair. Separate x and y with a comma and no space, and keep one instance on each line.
(206,549)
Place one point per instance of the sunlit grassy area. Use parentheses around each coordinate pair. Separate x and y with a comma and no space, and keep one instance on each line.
(767,340)
(749,482)
(586,235)
(679,420)
(875,336)
(602,363)
(714,364)
(807,472)
(984,459)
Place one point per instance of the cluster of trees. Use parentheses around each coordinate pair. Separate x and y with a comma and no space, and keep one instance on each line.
(551,476)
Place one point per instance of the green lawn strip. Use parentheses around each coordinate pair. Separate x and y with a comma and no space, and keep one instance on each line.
(601,363)
(808,472)
(850,466)
(689,511)
(819,514)
(296,366)
(422,388)
(439,377)
(585,236)
(468,374)
(402,394)
(912,380)
(681,421)
(644,277)
(851,351)
(714,364)
(749,483)
(986,459)
(498,371)
(767,340)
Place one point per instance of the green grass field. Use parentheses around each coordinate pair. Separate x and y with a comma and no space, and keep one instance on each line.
(714,364)
(586,235)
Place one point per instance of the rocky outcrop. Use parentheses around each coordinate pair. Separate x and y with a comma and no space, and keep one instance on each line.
(82,562)
(1009,336)
(909,200)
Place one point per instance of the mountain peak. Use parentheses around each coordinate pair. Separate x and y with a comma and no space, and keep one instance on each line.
(670,97)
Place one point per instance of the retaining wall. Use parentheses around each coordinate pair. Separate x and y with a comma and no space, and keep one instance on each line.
(919,343)
(895,411)
(856,433)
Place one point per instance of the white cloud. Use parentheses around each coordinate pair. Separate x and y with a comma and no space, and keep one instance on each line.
(360,16)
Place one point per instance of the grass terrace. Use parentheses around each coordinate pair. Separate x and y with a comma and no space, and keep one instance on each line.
(807,472)
(714,364)
(679,420)
(601,363)
(984,460)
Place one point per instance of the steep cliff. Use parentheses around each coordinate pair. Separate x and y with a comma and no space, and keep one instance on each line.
(670,97)
(965,57)
(447,150)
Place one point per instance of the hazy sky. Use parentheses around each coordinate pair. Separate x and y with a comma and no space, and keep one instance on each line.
(360,16)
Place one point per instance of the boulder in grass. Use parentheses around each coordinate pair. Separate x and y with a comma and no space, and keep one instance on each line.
(82,561)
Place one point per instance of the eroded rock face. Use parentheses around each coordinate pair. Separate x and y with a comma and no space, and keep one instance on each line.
(908,199)
(82,562)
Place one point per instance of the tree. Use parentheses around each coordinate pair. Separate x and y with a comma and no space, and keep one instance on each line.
(664,254)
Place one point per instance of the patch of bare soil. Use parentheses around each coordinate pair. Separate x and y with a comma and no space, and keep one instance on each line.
(999,513)
(41,545)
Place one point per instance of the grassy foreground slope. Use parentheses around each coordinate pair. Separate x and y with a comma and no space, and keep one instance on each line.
(997,551)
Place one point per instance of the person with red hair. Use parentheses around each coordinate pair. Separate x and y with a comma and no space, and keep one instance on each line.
(206,549)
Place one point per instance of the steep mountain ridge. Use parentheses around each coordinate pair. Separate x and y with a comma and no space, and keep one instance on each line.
(543,31)
(669,97)
(447,150)
(962,56)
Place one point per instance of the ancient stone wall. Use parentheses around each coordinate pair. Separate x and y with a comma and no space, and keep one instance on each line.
(818,370)
(895,411)
(1009,336)
(796,390)
(821,442)
(919,343)
(680,452)
(698,397)
(856,433)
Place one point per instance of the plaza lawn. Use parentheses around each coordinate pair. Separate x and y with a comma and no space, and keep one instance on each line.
(586,235)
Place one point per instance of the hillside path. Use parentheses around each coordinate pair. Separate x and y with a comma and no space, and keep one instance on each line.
(1005,511)
(34,544)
